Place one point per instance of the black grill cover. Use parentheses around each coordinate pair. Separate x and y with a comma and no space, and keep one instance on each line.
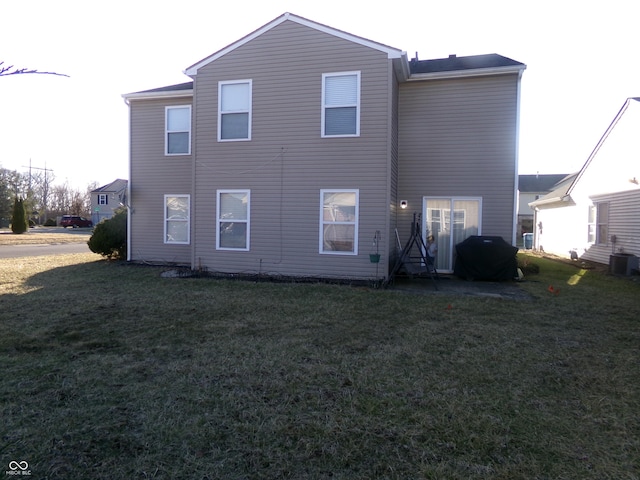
(486,258)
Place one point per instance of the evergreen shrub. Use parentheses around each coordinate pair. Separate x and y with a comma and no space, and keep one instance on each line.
(109,237)
(19,222)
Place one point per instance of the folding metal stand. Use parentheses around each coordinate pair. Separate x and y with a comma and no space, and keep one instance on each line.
(413,264)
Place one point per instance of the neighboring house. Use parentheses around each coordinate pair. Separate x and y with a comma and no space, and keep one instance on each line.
(106,199)
(295,147)
(530,189)
(596,212)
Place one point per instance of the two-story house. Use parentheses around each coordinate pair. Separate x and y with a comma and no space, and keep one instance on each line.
(295,147)
(107,199)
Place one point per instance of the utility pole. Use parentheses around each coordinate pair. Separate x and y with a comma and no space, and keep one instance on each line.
(45,186)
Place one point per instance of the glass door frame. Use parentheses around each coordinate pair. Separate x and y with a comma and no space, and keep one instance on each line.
(451,246)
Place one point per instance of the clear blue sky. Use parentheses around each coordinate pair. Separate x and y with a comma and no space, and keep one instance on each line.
(582,63)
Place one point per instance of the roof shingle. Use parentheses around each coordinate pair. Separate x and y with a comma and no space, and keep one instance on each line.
(454,63)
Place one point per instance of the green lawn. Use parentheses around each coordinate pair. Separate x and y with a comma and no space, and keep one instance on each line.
(111,372)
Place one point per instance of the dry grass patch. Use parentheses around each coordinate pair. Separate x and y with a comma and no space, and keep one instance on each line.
(36,237)
(113,372)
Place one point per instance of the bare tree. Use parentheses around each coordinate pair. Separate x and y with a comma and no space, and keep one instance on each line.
(87,196)
(79,203)
(59,203)
(41,183)
(65,200)
(5,71)
(42,198)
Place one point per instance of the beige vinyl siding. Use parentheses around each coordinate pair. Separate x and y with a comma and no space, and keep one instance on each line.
(624,223)
(153,174)
(394,201)
(287,163)
(104,211)
(458,138)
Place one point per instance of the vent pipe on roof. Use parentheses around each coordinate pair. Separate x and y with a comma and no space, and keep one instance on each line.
(453,55)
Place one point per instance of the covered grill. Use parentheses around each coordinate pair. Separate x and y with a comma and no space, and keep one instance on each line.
(486,258)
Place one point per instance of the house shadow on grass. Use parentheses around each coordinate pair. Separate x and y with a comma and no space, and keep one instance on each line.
(77,282)
(88,282)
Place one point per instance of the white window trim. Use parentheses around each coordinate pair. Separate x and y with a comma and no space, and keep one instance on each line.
(247,221)
(355,223)
(101,197)
(220,112)
(167,131)
(357,105)
(188,220)
(592,226)
(600,223)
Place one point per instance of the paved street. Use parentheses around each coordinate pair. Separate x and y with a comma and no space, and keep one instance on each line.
(17,251)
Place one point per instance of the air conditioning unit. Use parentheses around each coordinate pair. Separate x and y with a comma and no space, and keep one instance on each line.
(622,263)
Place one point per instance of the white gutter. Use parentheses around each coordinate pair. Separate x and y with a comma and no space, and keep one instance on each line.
(565,199)
(157,95)
(472,72)
(516,196)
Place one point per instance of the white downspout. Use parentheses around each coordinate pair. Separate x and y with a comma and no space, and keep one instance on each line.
(128,202)
(517,150)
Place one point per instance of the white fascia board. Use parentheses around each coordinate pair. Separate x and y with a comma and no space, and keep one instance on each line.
(158,95)
(474,72)
(392,53)
(193,69)
(555,202)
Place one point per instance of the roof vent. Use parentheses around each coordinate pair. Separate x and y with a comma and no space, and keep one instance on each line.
(453,55)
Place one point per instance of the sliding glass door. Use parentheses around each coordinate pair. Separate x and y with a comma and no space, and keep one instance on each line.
(450,220)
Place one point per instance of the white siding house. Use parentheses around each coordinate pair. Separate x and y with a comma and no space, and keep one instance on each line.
(596,213)
(530,189)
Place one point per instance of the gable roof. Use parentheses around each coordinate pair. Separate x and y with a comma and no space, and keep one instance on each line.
(116,186)
(558,197)
(392,53)
(451,67)
(539,183)
(610,128)
(561,196)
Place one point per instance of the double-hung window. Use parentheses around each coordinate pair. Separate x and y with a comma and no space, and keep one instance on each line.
(177,138)
(591,224)
(176,219)
(339,222)
(341,104)
(234,110)
(602,223)
(103,199)
(232,225)
(598,224)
